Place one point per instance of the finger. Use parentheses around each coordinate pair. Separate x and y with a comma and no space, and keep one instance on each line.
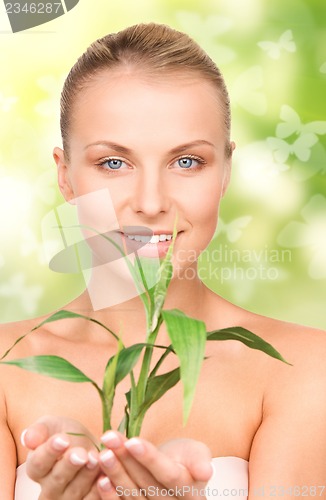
(115,471)
(35,435)
(136,471)
(83,484)
(47,426)
(165,470)
(40,461)
(93,494)
(106,489)
(64,478)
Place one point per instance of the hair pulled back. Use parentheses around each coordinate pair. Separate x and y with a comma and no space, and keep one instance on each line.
(153,49)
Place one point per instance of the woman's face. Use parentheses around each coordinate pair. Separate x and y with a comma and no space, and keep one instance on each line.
(159,149)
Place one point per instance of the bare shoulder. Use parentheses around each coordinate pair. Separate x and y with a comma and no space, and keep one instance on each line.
(304,378)
(292,427)
(299,344)
(11,332)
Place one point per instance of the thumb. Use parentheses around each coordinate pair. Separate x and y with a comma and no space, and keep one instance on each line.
(40,431)
(47,426)
(198,462)
(195,456)
(35,435)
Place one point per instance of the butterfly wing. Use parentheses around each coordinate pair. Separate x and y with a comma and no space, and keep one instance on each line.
(235,228)
(302,146)
(291,122)
(286,41)
(281,149)
(271,48)
(247,91)
(318,127)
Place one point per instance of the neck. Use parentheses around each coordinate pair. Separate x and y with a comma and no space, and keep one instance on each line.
(113,299)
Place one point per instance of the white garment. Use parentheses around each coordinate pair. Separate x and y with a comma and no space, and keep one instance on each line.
(230,479)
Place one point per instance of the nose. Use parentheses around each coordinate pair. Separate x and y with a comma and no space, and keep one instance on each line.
(150,196)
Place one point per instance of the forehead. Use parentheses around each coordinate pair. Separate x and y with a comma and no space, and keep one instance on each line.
(127,106)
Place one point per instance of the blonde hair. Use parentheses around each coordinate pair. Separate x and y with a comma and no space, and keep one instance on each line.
(154,49)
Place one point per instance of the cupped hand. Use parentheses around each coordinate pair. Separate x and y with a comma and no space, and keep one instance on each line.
(135,467)
(65,466)
(69,468)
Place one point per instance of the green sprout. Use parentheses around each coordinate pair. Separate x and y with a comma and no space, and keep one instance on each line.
(188,338)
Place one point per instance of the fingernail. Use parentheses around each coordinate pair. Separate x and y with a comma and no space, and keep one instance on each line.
(111,439)
(105,484)
(60,443)
(22,437)
(135,446)
(75,459)
(108,458)
(92,461)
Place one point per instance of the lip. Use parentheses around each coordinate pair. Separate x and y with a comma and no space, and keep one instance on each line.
(151,250)
(144,231)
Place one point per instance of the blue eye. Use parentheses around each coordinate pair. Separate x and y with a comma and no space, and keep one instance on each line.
(113,164)
(185,162)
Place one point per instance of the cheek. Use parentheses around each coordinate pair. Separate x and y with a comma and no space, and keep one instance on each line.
(204,206)
(96,211)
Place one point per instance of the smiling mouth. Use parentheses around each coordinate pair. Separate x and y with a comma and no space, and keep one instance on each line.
(154,239)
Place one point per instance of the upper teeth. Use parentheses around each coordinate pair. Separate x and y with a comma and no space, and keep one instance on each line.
(147,239)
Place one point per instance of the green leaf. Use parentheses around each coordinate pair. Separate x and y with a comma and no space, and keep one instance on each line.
(128,357)
(147,270)
(86,436)
(51,366)
(123,426)
(188,337)
(165,274)
(109,386)
(58,315)
(110,374)
(157,386)
(63,314)
(248,338)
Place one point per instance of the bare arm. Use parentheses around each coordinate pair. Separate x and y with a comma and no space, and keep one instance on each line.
(7,454)
(288,455)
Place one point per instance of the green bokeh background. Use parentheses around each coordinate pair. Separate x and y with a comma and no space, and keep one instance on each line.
(269,253)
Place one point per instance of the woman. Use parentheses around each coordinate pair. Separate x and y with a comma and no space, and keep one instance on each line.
(145,115)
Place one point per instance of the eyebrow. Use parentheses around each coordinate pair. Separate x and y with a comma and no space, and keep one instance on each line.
(178,149)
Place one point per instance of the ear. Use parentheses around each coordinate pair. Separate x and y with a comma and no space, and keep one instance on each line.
(63,175)
(227,169)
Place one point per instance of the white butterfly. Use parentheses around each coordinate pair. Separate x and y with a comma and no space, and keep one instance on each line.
(301,148)
(316,165)
(292,124)
(274,49)
(233,229)
(322,68)
(246,91)
(205,31)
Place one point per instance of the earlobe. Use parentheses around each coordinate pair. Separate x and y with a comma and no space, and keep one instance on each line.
(63,175)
